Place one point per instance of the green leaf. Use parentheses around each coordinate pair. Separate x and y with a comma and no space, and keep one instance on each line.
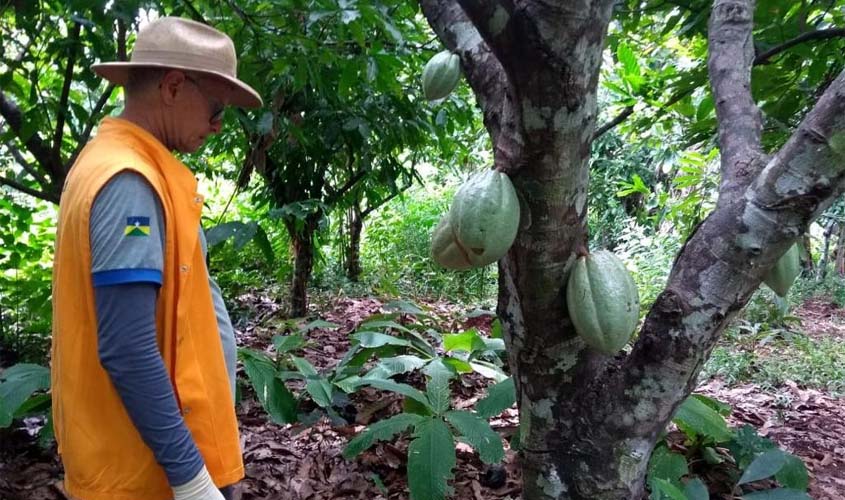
(382,430)
(458,365)
(500,397)
(403,389)
(695,416)
(318,387)
(437,390)
(318,323)
(664,490)
(288,343)
(488,370)
(793,474)
(696,490)
(403,306)
(380,323)
(18,384)
(478,433)
(276,399)
(389,367)
(666,465)
(377,339)
(765,465)
(777,494)
(468,341)
(431,458)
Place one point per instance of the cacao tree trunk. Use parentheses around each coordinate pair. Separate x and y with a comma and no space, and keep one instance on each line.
(589,422)
(302,241)
(353,250)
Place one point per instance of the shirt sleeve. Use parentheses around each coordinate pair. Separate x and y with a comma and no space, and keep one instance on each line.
(127,232)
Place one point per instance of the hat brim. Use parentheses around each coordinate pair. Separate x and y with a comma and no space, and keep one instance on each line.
(244,96)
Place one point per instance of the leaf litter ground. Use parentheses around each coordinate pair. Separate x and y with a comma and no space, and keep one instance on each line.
(305,463)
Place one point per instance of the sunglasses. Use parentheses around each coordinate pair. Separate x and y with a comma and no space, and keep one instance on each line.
(215,107)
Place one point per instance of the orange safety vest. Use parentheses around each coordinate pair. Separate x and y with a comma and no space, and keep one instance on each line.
(103,453)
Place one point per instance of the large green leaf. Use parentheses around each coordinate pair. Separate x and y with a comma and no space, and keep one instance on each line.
(438,393)
(478,433)
(695,416)
(793,474)
(662,489)
(667,466)
(272,393)
(467,341)
(287,343)
(380,431)
(389,367)
(696,490)
(765,465)
(318,387)
(500,397)
(18,384)
(403,389)
(378,339)
(431,458)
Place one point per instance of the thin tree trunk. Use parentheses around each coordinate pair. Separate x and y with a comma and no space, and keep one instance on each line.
(303,251)
(821,272)
(840,251)
(353,250)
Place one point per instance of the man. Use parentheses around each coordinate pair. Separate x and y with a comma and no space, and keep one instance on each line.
(143,350)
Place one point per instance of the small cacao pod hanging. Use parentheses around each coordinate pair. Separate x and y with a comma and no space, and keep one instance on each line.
(603,301)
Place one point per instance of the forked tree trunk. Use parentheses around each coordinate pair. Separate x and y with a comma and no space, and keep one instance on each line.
(589,422)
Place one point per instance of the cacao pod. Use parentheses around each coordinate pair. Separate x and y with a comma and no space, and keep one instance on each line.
(445,249)
(603,301)
(440,75)
(484,217)
(786,269)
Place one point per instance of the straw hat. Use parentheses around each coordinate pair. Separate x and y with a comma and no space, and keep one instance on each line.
(176,43)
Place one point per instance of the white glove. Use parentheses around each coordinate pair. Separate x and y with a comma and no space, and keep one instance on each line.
(201,487)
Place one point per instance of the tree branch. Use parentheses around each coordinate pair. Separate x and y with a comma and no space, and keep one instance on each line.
(73,38)
(723,263)
(89,127)
(765,57)
(621,117)
(485,75)
(32,170)
(34,144)
(731,54)
(4,181)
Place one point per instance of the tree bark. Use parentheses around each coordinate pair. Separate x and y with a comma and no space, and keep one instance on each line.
(840,252)
(589,422)
(353,250)
(302,241)
(821,272)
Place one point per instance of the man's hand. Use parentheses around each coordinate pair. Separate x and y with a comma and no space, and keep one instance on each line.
(200,487)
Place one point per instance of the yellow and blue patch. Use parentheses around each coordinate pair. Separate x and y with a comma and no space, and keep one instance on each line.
(137,226)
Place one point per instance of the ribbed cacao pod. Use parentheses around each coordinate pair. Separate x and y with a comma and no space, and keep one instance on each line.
(445,249)
(786,269)
(440,75)
(603,301)
(485,217)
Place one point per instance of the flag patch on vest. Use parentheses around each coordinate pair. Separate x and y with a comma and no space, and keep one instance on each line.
(137,226)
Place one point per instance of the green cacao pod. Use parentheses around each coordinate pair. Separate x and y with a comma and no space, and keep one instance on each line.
(783,274)
(484,217)
(603,301)
(445,249)
(441,75)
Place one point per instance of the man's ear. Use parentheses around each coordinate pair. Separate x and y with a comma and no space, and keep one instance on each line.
(171,86)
